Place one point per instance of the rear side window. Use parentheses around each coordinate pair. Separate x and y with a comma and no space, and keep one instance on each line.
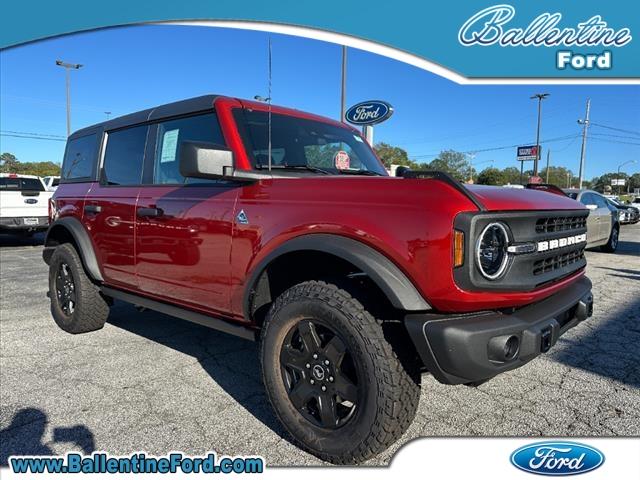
(79,158)
(124,156)
(21,184)
(171,134)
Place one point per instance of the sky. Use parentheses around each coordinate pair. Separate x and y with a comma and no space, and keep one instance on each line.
(131,68)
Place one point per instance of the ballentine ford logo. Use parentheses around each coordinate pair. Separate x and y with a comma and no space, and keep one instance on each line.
(489,27)
(557,458)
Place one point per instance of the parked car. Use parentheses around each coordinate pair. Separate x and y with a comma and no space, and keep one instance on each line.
(354,282)
(626,213)
(603,226)
(51,183)
(635,202)
(24,204)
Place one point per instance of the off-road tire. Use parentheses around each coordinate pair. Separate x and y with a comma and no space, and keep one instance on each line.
(90,308)
(614,237)
(390,394)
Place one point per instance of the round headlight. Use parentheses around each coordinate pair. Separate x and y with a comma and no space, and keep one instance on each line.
(491,251)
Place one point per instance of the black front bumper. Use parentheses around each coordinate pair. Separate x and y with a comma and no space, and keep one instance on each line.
(475,347)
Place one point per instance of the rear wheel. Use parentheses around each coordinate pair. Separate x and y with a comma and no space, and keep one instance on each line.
(76,303)
(612,244)
(332,378)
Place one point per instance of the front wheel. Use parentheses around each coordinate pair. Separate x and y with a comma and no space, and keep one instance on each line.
(331,376)
(612,244)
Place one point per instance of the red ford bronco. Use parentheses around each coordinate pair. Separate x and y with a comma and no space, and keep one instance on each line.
(284,227)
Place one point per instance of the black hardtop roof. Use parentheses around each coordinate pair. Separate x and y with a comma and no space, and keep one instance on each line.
(182,107)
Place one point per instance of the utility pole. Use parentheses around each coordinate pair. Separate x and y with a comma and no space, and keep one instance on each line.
(583,150)
(548,155)
(540,97)
(343,94)
(568,180)
(68,67)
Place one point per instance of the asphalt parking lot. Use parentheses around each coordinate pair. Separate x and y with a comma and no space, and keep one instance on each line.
(154,383)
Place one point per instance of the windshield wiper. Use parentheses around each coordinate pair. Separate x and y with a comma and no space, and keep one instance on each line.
(259,166)
(361,172)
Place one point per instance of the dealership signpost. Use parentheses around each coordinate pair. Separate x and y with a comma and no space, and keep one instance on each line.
(527,153)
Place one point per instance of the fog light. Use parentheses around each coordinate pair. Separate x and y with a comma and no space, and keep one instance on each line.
(503,348)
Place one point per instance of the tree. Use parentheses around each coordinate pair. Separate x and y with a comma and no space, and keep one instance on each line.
(491,176)
(557,176)
(511,175)
(393,155)
(454,163)
(10,164)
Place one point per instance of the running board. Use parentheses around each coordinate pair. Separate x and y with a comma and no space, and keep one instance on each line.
(183,313)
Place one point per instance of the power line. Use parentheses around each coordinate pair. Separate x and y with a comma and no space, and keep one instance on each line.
(632,132)
(505,147)
(33,137)
(608,140)
(35,133)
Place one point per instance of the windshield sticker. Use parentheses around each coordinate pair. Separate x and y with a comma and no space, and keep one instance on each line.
(169,146)
(342,160)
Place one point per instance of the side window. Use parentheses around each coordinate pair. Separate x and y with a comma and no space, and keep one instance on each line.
(600,201)
(79,158)
(587,199)
(124,156)
(171,134)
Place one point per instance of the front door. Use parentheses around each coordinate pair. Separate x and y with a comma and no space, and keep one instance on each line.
(110,205)
(184,226)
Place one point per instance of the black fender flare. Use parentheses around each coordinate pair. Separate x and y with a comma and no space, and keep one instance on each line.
(385,274)
(81,238)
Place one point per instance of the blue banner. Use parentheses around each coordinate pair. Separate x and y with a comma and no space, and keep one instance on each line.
(476,39)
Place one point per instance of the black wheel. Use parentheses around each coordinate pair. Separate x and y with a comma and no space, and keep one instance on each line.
(612,244)
(331,376)
(76,303)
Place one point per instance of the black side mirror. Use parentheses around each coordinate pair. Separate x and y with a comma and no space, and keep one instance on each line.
(205,160)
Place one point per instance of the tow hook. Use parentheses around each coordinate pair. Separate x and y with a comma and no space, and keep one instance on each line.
(545,339)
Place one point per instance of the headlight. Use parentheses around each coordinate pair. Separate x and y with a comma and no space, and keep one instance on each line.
(491,250)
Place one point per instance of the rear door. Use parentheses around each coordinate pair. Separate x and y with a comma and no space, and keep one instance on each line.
(110,205)
(184,226)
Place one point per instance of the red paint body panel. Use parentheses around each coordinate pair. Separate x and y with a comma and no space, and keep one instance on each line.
(195,254)
(183,255)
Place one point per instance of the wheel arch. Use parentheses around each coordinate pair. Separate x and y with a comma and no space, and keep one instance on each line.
(71,230)
(390,280)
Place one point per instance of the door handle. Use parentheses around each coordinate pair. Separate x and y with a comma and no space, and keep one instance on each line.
(92,209)
(150,212)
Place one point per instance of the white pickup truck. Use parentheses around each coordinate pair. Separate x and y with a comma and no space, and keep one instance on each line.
(24,204)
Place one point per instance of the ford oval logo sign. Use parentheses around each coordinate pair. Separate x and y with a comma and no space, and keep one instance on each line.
(557,458)
(369,113)
(31,201)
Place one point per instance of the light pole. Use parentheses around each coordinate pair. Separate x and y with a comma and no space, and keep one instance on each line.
(540,97)
(619,167)
(68,67)
(108,114)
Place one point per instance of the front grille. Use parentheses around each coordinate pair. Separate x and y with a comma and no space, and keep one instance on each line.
(556,262)
(560,224)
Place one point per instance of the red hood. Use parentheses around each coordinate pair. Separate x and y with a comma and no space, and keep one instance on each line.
(500,198)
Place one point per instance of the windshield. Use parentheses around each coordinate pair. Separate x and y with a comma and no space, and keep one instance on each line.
(21,184)
(301,143)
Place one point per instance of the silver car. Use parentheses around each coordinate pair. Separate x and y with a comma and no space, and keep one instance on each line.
(603,227)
